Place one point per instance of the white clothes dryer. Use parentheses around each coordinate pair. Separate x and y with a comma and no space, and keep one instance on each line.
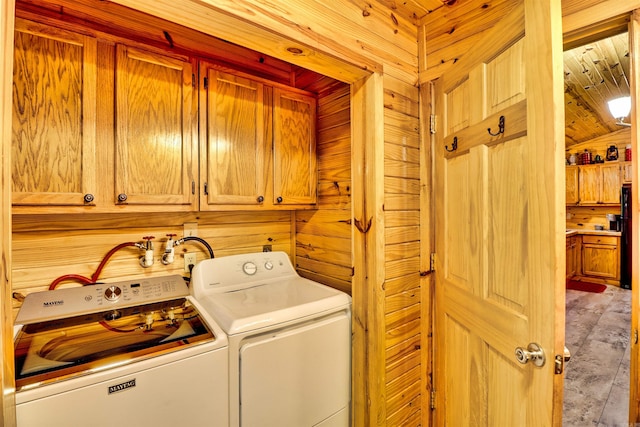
(289,340)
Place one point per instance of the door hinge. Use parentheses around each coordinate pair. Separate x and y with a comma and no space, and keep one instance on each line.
(635,336)
(206,189)
(206,82)
(433,399)
(432,262)
(193,80)
(432,123)
(193,187)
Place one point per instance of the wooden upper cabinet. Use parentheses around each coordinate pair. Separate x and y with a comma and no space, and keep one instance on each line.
(599,184)
(590,184)
(156,154)
(54,117)
(611,183)
(571,177)
(257,143)
(233,144)
(294,146)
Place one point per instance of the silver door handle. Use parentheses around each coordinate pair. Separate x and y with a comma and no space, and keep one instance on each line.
(533,353)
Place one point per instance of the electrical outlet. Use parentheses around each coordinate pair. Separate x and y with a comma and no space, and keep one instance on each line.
(190,229)
(189,259)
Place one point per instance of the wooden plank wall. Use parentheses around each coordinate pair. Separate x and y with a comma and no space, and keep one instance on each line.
(46,247)
(404,323)
(599,146)
(7,406)
(323,237)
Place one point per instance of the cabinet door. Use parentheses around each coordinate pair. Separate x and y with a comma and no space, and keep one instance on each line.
(232,139)
(571,177)
(590,182)
(54,116)
(610,174)
(572,260)
(155,150)
(294,145)
(626,171)
(600,257)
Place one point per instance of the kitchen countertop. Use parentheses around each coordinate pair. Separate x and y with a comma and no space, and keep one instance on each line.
(577,231)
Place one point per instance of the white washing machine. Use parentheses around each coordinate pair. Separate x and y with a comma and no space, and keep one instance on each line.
(289,340)
(133,353)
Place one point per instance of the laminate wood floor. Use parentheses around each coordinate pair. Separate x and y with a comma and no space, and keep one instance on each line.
(596,386)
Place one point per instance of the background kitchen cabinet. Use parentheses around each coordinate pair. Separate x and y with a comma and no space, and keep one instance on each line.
(626,172)
(257,142)
(54,117)
(573,256)
(601,257)
(599,184)
(611,183)
(571,177)
(156,152)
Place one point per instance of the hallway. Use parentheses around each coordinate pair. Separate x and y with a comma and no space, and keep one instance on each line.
(596,390)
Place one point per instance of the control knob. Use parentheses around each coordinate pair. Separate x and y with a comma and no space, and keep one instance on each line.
(249,268)
(112,293)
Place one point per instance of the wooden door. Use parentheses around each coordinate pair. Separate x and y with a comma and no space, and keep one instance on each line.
(294,146)
(233,150)
(500,241)
(54,117)
(155,149)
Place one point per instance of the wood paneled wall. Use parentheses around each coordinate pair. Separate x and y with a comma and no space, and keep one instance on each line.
(7,405)
(404,322)
(323,237)
(599,146)
(46,247)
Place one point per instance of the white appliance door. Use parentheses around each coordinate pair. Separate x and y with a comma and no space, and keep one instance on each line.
(297,377)
(187,392)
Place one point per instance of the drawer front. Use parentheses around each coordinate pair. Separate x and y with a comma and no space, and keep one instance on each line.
(600,240)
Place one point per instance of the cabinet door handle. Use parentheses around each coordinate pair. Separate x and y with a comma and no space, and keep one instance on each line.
(88,198)
(122,197)
(279,199)
(260,199)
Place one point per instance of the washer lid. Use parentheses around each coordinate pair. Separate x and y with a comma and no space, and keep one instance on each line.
(271,303)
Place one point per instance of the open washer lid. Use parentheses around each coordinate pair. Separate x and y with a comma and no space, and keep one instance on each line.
(252,291)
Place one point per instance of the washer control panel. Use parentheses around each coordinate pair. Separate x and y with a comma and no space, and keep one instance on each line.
(67,302)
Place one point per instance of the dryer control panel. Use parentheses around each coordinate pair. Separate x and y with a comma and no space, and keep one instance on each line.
(234,271)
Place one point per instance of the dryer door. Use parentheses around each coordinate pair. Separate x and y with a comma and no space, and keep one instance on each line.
(297,376)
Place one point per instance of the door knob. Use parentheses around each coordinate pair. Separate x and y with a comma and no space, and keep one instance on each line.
(533,353)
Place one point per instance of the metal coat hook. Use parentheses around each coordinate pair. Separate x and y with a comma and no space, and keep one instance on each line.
(500,127)
(454,146)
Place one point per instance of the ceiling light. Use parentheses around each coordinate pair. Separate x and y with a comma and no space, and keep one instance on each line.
(620,108)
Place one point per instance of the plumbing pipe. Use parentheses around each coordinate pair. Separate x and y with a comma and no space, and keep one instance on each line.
(198,239)
(77,277)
